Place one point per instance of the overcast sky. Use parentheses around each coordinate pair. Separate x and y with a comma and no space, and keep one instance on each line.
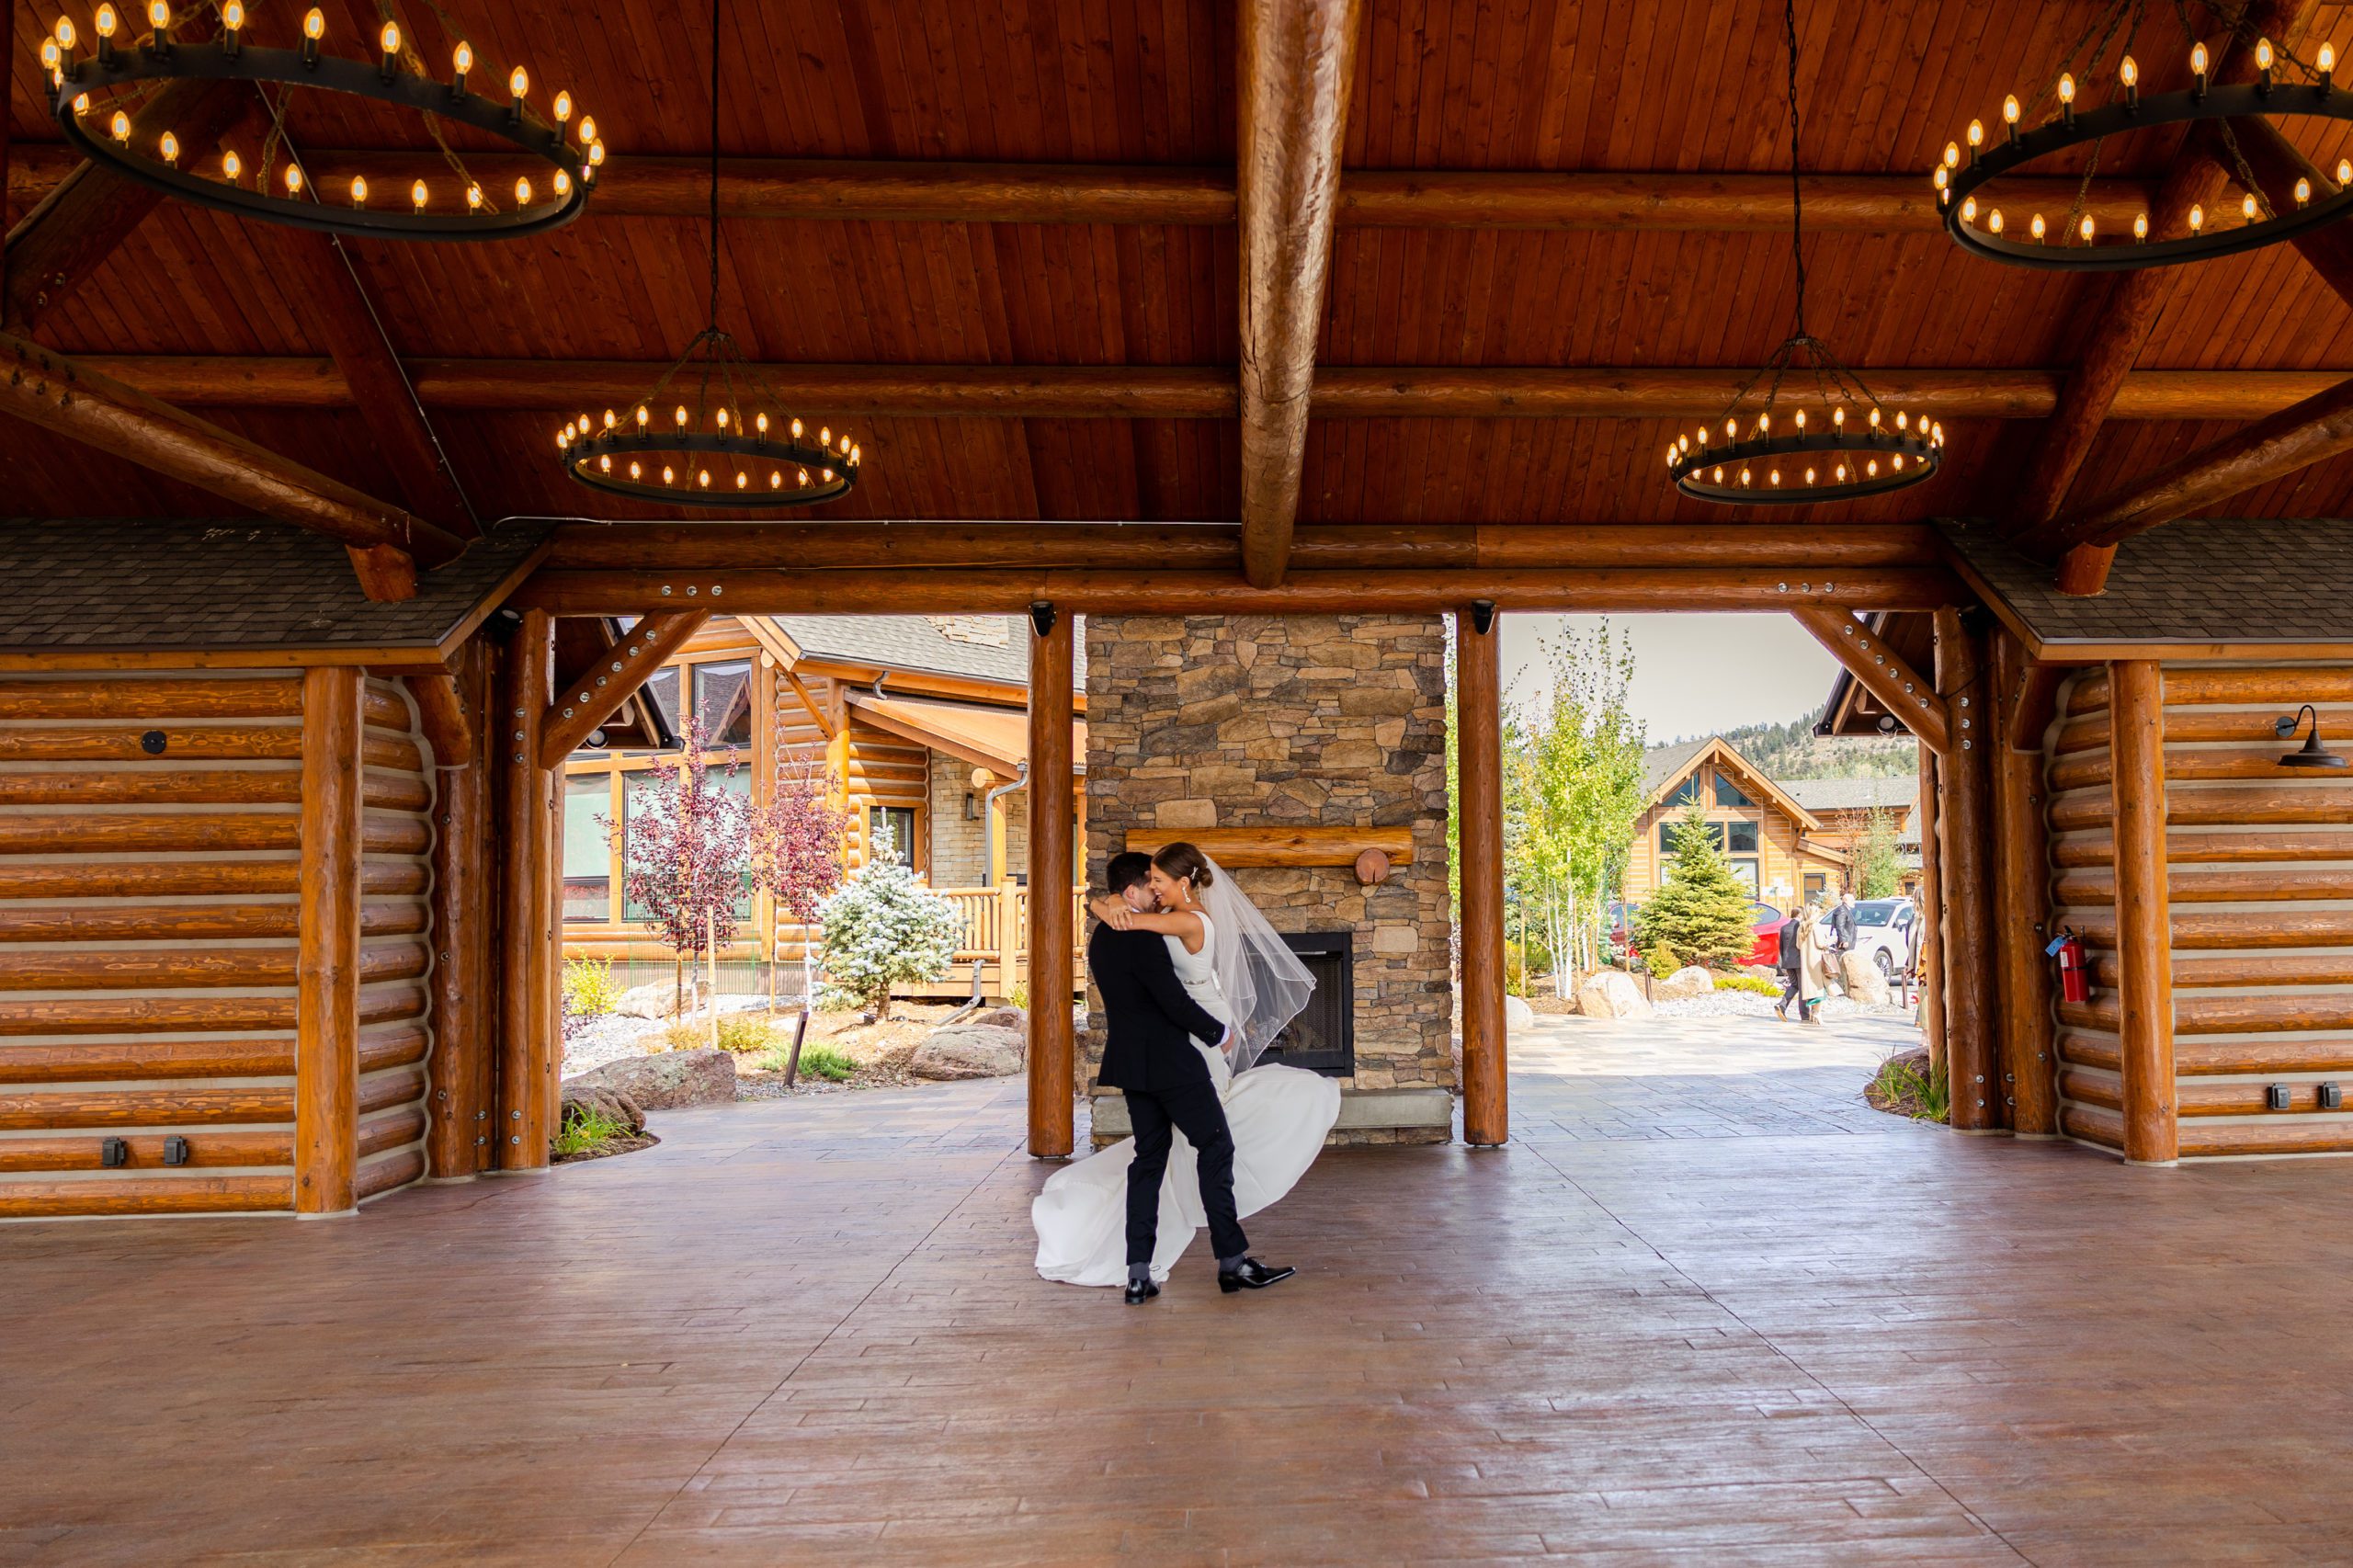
(1693,674)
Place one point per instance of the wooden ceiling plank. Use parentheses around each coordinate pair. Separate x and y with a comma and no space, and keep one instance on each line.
(2276,165)
(1298,61)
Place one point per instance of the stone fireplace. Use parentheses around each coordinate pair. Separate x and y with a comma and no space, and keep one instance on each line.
(1256,723)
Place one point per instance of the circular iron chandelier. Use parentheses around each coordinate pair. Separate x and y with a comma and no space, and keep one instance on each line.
(1852,447)
(709,454)
(1978,225)
(459,208)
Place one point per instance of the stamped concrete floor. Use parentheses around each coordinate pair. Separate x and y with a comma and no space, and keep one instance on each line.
(1702,1311)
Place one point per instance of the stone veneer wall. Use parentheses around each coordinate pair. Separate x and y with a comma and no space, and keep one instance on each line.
(959,845)
(1267,722)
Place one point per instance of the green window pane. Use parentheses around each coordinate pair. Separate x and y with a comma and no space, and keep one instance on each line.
(587,849)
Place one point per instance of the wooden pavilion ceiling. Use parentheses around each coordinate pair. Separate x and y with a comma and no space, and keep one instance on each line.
(1441,89)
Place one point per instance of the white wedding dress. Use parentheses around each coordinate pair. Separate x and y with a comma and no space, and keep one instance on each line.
(1278,1116)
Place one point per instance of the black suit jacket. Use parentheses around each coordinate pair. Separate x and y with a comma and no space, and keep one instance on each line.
(1153,1019)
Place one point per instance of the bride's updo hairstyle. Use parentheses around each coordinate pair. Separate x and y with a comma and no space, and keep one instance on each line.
(1181,860)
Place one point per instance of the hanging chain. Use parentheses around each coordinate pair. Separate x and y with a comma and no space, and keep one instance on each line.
(713,322)
(1797,185)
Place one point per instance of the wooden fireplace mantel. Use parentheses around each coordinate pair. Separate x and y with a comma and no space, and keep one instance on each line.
(1285,846)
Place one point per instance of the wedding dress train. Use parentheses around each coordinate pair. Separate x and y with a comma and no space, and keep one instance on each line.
(1278,1116)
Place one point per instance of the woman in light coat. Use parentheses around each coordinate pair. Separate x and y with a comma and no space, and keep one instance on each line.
(1814,972)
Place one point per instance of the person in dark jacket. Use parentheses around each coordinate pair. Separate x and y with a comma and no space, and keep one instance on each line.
(1792,964)
(1842,937)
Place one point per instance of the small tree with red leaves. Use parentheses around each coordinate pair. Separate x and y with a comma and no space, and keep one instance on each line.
(684,854)
(796,854)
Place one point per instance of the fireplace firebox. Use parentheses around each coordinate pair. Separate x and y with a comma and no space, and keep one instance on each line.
(1322,1039)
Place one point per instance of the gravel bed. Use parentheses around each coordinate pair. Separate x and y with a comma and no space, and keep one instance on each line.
(1754,1005)
(611,1038)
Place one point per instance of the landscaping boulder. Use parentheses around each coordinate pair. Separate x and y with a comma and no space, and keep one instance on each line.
(656,999)
(1612,994)
(967,1051)
(669,1081)
(1865,983)
(1012,1018)
(582,1099)
(1517,1014)
(1688,982)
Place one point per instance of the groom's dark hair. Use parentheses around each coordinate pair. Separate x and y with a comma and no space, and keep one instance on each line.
(1127,869)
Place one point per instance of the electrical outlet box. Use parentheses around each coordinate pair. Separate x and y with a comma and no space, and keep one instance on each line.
(114,1152)
(2332,1097)
(2275,1096)
(175,1150)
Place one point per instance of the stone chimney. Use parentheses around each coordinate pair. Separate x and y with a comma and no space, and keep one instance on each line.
(988,630)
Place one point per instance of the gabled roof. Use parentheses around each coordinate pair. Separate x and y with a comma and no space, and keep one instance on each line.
(994,738)
(917,643)
(253,590)
(1666,767)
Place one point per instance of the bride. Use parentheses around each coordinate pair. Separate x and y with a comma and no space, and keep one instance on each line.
(1239,970)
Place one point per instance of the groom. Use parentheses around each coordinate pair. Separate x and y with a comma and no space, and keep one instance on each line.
(1150,1057)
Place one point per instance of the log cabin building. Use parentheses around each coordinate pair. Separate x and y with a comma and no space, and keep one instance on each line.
(912,724)
(1778,848)
(1211,320)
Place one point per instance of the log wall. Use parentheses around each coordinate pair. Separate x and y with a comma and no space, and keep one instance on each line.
(2259,874)
(151,930)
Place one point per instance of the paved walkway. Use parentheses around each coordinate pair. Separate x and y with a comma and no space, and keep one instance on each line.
(1692,1317)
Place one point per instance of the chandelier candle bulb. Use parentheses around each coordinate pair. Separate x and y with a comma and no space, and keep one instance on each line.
(1976,141)
(358,190)
(389,45)
(2303,192)
(2010,117)
(2084,228)
(2128,71)
(2197,219)
(2199,60)
(233,24)
(1994,223)
(120,127)
(562,107)
(108,23)
(2265,58)
(293,179)
(462,60)
(2140,228)
(2246,206)
(473,198)
(417,195)
(314,27)
(170,148)
(518,87)
(2036,228)
(522,193)
(232,166)
(2327,68)
(2067,100)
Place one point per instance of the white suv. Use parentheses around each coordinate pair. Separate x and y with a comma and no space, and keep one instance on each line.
(1882,929)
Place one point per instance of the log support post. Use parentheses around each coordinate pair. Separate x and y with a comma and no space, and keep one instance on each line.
(1965,866)
(527,964)
(2022,881)
(1930,964)
(1052,1046)
(1478,741)
(326,1006)
(2144,915)
(457,1146)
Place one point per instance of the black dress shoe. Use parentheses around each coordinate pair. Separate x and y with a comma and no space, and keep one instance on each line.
(1251,1275)
(1138,1294)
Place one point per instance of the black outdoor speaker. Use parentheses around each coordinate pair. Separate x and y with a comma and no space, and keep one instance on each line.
(2275,1096)
(2332,1097)
(175,1150)
(114,1152)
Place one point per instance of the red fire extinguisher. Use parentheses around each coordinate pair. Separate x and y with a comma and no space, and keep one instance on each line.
(2075,974)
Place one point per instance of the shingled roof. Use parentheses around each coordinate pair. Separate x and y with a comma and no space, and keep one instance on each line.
(2197,585)
(264,587)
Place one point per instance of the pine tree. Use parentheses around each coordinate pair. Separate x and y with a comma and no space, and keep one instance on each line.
(885,928)
(1878,870)
(1701,911)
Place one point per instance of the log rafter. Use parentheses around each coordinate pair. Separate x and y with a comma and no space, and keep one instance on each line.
(1883,672)
(952,192)
(1073,391)
(62,396)
(1297,58)
(592,697)
(2129,316)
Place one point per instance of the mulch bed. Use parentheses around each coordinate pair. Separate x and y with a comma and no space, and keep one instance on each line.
(607,1149)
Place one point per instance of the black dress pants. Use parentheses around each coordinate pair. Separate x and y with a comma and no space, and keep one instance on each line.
(1195,1110)
(1793,990)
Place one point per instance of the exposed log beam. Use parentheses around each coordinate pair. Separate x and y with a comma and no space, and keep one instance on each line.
(591,699)
(1166,547)
(900,592)
(1298,59)
(89,211)
(1881,671)
(870,191)
(441,716)
(557,387)
(313,268)
(2132,302)
(2276,165)
(2269,448)
(61,396)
